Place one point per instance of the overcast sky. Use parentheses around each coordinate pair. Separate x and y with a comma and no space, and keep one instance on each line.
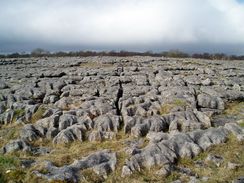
(188,25)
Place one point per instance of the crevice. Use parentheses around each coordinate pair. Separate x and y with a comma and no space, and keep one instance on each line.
(119,95)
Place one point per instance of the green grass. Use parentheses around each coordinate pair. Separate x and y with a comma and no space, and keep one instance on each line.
(38,114)
(235,108)
(65,154)
(172,177)
(242,124)
(231,151)
(7,162)
(9,132)
(167,107)
(10,169)
(18,113)
(91,176)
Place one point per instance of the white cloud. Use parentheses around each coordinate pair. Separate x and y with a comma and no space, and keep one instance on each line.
(123,22)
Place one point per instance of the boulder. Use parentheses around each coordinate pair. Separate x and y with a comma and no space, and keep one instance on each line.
(100,136)
(101,162)
(206,82)
(21,145)
(70,134)
(30,132)
(236,130)
(16,145)
(170,148)
(2,107)
(107,122)
(212,102)
(3,85)
(66,120)
(239,180)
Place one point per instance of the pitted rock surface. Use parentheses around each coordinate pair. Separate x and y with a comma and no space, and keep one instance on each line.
(175,104)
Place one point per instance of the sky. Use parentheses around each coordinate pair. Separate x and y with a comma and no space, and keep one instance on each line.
(133,25)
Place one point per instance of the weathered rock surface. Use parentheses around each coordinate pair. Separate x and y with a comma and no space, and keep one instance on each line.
(178,105)
(181,145)
(21,145)
(102,163)
(70,134)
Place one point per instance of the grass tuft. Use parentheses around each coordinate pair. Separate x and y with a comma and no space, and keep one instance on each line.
(166,108)
(38,114)
(231,151)
(7,162)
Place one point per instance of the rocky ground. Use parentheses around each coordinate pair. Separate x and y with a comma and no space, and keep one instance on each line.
(109,119)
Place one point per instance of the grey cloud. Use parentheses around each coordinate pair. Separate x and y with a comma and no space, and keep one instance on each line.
(132,24)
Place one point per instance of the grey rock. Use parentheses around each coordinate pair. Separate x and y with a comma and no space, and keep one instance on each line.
(50,99)
(175,122)
(236,87)
(27,163)
(30,110)
(64,94)
(102,163)
(2,97)
(207,101)
(10,100)
(140,130)
(178,145)
(64,103)
(126,171)
(204,179)
(139,126)
(50,112)
(236,130)
(52,132)
(66,120)
(40,150)
(234,95)
(233,166)
(96,136)
(161,155)
(30,133)
(194,80)
(107,122)
(193,179)
(16,145)
(239,180)
(185,171)
(211,136)
(3,85)
(2,107)
(175,103)
(177,181)
(206,82)
(9,115)
(37,94)
(100,136)
(157,136)
(165,170)
(70,134)
(199,163)
(48,122)
(52,74)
